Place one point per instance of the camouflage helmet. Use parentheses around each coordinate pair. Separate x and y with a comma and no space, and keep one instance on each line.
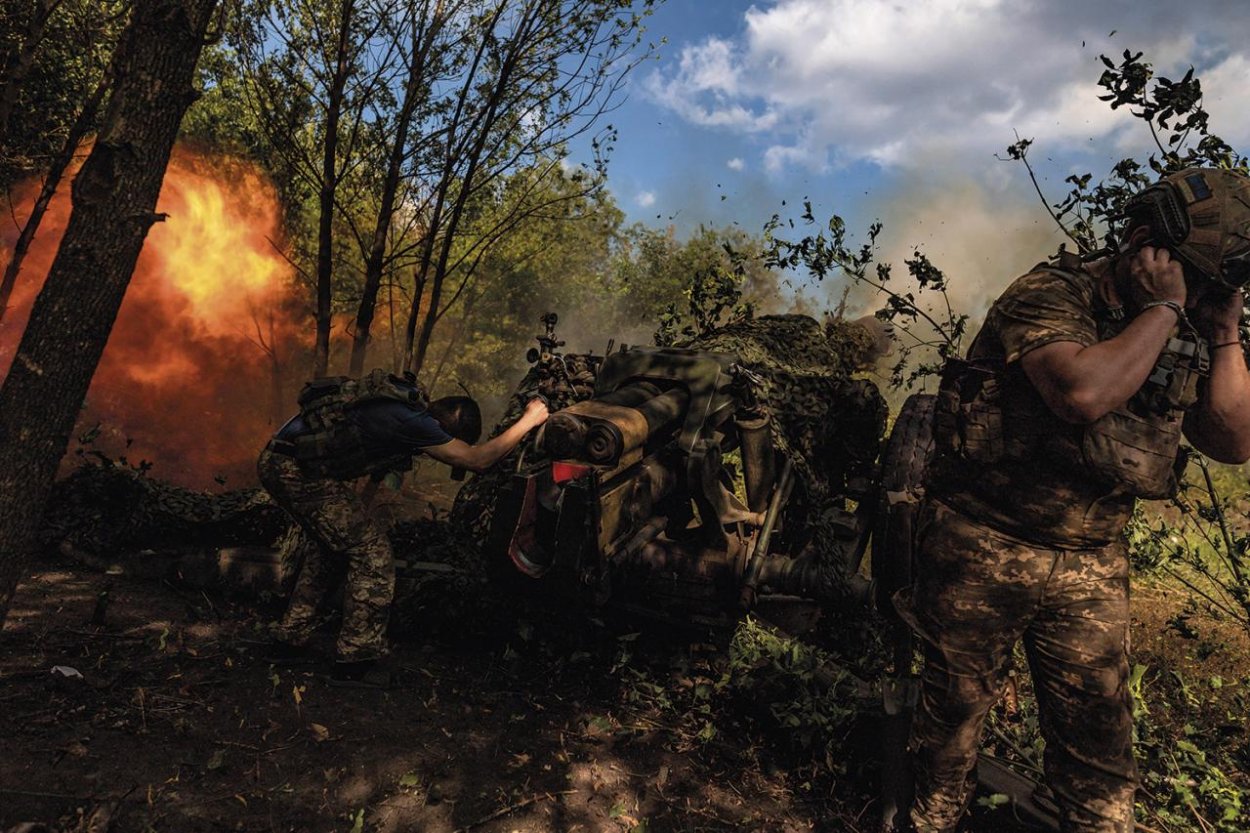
(1203,215)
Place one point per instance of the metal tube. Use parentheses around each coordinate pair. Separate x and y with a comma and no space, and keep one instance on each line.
(662,410)
(564,435)
(606,443)
(755,564)
(759,460)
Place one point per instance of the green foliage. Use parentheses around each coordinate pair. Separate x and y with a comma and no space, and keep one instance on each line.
(790,683)
(929,328)
(68,62)
(712,287)
(1186,783)
(1200,541)
(1178,124)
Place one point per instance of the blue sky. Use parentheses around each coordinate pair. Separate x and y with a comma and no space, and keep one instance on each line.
(892,110)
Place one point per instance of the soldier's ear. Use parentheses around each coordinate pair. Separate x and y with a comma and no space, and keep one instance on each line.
(1136,238)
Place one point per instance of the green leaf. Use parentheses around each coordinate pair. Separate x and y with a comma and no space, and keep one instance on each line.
(994,801)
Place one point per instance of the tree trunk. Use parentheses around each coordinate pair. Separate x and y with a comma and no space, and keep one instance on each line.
(483,125)
(50,183)
(422,40)
(414,352)
(329,184)
(114,200)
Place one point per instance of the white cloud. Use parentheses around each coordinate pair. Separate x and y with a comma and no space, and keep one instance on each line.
(822,82)
(704,88)
(1224,88)
(645,199)
(735,164)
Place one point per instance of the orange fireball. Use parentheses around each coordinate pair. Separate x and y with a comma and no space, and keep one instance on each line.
(205,349)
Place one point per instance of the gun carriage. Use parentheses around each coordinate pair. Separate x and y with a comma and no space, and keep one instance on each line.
(695,481)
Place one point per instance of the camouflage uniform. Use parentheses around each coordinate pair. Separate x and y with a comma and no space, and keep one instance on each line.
(334,522)
(1027,546)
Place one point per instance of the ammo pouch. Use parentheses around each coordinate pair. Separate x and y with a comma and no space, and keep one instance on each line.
(969,416)
(1137,446)
(1136,453)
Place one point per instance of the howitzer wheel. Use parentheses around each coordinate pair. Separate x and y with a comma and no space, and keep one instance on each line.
(907,454)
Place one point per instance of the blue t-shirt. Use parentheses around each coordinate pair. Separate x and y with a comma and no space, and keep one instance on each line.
(387,428)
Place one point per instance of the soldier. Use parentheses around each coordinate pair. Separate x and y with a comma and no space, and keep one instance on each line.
(346,429)
(1069,407)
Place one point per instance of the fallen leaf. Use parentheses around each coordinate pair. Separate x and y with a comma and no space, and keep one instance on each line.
(320,733)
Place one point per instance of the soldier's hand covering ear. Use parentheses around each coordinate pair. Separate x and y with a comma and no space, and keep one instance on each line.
(1154,275)
(1218,316)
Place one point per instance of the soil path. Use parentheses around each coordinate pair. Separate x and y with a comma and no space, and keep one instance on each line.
(177,724)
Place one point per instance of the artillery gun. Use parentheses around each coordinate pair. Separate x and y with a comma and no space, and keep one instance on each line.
(746,469)
(696,481)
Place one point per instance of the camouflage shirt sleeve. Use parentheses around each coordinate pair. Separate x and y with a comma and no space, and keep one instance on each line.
(1044,307)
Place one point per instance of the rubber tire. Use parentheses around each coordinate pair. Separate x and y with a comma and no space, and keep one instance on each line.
(904,463)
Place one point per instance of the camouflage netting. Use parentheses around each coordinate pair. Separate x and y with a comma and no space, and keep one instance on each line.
(562,381)
(428,601)
(112,511)
(828,423)
(106,509)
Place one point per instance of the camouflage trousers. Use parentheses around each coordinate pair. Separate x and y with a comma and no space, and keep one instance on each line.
(976,594)
(335,528)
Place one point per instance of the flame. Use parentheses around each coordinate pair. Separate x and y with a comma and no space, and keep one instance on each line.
(195,372)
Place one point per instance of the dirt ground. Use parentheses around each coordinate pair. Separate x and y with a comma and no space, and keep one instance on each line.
(534,722)
(177,724)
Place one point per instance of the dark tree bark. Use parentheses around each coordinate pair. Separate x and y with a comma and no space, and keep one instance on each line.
(329,184)
(114,203)
(51,181)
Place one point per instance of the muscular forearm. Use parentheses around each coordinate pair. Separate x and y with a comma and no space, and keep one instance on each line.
(1220,426)
(1081,384)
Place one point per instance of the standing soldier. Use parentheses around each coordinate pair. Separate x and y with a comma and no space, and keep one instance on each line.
(1069,407)
(346,429)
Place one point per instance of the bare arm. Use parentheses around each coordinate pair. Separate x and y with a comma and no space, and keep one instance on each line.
(1081,384)
(1219,426)
(459,454)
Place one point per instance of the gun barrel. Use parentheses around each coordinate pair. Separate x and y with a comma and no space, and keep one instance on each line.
(567,430)
(606,442)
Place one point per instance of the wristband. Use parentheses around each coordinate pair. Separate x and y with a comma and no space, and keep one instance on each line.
(1226,344)
(1172,305)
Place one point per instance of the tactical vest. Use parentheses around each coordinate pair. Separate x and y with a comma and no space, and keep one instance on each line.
(333,446)
(1134,448)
